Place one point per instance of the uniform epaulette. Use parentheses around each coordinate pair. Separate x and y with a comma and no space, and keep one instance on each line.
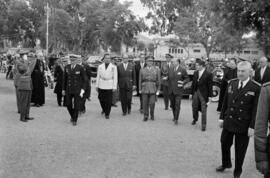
(266,84)
(232,80)
(257,83)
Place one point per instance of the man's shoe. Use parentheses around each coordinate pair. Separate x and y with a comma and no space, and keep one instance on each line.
(23,119)
(203,129)
(74,123)
(29,118)
(166,108)
(176,122)
(129,112)
(152,118)
(102,112)
(193,122)
(141,111)
(107,117)
(222,168)
(145,119)
(124,114)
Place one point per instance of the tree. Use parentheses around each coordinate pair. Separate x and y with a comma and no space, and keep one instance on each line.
(250,16)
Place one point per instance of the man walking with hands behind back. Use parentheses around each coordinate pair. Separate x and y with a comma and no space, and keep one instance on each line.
(237,117)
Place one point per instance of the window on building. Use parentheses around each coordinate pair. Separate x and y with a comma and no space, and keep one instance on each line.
(175,50)
(255,52)
(196,50)
(239,52)
(182,51)
(170,50)
(246,52)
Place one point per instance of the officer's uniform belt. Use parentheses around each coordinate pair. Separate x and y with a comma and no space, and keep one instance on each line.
(103,78)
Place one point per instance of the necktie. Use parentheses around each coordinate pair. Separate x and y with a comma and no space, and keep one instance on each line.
(241,86)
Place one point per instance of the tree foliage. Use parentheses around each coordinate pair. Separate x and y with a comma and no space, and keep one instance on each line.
(77,25)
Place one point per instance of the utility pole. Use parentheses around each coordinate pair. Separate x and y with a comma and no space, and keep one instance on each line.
(47,30)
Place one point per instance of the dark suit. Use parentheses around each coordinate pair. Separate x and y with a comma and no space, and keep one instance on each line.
(137,69)
(74,80)
(87,94)
(238,112)
(265,78)
(58,76)
(201,91)
(126,81)
(164,82)
(228,75)
(176,80)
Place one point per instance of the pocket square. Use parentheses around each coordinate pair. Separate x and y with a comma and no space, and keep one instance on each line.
(251,93)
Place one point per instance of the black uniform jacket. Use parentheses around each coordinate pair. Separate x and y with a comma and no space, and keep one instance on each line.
(74,79)
(240,106)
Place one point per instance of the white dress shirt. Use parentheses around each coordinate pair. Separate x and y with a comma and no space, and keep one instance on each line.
(244,83)
(262,71)
(201,73)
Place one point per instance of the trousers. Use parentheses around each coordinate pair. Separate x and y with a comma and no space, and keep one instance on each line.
(175,104)
(199,104)
(24,97)
(125,98)
(166,96)
(241,145)
(105,99)
(148,101)
(73,106)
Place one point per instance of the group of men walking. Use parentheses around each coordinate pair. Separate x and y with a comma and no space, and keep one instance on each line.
(245,103)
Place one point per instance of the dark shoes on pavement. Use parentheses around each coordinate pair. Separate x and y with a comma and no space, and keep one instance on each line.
(29,118)
(176,122)
(222,168)
(124,114)
(107,117)
(145,119)
(193,122)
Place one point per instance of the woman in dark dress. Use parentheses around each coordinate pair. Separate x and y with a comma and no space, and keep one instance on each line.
(38,93)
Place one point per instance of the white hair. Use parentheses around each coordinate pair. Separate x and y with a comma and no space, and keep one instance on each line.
(246,64)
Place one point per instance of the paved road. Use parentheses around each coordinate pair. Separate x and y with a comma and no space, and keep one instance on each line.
(122,147)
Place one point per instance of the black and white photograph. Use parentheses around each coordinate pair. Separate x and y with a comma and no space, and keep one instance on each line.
(134,89)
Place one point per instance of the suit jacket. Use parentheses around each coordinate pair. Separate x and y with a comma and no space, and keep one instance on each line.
(126,78)
(89,74)
(58,76)
(149,80)
(164,73)
(74,79)
(261,126)
(266,75)
(138,69)
(107,78)
(204,84)
(240,106)
(177,79)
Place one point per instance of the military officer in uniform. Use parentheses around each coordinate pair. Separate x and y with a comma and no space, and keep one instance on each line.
(138,66)
(237,117)
(74,82)
(164,79)
(149,87)
(262,141)
(177,78)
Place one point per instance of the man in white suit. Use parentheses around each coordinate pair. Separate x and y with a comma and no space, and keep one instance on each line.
(106,83)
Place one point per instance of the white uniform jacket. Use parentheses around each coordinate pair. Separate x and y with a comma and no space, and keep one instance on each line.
(107,78)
